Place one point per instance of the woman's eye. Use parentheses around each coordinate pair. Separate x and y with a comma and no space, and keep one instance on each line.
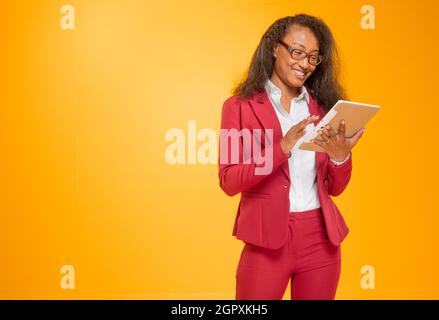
(298,53)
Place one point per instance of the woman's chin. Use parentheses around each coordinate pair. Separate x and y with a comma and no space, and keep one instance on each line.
(294,82)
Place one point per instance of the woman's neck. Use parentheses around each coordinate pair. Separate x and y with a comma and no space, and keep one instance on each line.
(287,93)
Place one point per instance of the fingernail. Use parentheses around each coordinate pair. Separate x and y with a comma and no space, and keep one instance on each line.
(342,121)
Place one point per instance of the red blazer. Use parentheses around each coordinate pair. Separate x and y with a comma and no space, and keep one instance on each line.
(263,212)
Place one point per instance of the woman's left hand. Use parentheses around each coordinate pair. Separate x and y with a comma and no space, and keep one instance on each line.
(336,144)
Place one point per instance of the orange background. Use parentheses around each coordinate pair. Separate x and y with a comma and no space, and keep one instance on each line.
(83,176)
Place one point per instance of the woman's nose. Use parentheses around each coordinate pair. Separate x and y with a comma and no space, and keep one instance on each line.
(304,64)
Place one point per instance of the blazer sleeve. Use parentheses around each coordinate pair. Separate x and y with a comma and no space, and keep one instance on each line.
(240,175)
(339,176)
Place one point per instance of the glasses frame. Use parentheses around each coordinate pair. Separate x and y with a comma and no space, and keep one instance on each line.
(307,55)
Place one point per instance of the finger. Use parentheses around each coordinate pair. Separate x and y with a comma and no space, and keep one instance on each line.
(298,126)
(313,117)
(357,136)
(317,140)
(332,134)
(299,133)
(342,129)
(323,135)
(306,121)
(318,143)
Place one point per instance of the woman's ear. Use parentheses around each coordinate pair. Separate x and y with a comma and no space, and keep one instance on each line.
(275,50)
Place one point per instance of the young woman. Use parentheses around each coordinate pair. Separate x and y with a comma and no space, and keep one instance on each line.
(291,228)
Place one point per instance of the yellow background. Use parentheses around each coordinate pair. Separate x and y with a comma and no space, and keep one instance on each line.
(83,176)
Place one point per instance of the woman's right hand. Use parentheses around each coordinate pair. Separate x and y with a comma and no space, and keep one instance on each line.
(295,133)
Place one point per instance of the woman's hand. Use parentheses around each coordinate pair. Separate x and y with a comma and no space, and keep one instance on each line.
(295,133)
(336,145)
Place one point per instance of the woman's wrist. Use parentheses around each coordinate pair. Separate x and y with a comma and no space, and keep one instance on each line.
(285,147)
(340,160)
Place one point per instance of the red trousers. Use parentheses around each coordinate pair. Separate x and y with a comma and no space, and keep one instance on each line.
(308,260)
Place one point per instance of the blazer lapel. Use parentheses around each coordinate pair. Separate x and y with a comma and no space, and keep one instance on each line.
(266,115)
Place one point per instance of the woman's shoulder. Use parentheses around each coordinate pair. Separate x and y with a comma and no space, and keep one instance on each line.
(237,104)
(239,99)
(233,100)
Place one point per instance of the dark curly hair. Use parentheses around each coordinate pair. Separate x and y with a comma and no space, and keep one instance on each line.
(323,83)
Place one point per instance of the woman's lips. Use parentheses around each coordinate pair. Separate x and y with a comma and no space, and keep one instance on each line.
(299,74)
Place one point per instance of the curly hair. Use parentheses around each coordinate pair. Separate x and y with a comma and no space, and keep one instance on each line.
(323,83)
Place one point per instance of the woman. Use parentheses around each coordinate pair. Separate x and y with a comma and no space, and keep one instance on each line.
(291,227)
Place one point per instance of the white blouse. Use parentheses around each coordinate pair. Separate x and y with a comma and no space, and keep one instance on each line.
(303,190)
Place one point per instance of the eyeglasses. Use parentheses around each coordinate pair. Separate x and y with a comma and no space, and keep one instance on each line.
(298,55)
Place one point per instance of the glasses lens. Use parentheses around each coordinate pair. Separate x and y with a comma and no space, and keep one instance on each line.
(298,54)
(315,60)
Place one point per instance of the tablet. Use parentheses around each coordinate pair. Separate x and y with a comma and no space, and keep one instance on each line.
(355,114)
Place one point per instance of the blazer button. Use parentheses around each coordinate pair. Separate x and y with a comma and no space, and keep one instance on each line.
(285,186)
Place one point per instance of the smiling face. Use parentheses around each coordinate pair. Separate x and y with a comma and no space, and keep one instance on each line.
(293,73)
